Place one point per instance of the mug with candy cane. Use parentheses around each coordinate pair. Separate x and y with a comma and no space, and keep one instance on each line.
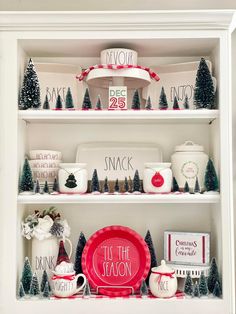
(162,281)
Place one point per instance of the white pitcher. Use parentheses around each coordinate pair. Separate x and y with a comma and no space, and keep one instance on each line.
(44,254)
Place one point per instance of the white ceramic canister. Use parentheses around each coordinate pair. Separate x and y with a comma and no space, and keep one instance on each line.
(157,177)
(189,163)
(73,178)
(163,281)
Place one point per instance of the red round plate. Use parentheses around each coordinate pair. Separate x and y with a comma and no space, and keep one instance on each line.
(115,260)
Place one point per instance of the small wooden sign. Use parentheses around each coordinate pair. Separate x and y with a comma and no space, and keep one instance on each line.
(187,248)
(117,98)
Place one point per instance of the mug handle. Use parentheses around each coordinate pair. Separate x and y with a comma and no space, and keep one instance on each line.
(70,246)
(85,280)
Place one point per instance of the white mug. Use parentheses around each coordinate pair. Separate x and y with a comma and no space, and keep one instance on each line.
(65,285)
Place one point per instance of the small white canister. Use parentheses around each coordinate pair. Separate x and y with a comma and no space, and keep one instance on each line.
(73,178)
(188,164)
(157,177)
(163,281)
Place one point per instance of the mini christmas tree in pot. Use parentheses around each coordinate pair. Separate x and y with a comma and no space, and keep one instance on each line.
(30,90)
(26,180)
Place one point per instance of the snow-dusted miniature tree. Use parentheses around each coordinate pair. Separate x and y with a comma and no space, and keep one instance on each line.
(211,179)
(86,101)
(46,290)
(95,186)
(30,90)
(188,285)
(34,286)
(26,276)
(217,290)
(203,290)
(26,180)
(163,104)
(148,105)
(44,281)
(196,292)
(69,99)
(21,291)
(213,275)
(136,100)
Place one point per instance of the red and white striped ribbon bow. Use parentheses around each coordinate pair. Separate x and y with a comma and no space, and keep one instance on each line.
(152,74)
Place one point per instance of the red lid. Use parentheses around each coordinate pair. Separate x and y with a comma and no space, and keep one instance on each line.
(115,260)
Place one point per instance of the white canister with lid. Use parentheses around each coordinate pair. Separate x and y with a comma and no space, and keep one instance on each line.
(157,177)
(73,178)
(163,281)
(188,164)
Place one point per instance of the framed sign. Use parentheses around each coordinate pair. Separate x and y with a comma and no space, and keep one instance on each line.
(187,248)
(117,160)
(115,260)
(117,98)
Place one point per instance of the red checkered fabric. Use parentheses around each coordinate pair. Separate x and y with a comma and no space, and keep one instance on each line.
(152,74)
(178,295)
(62,255)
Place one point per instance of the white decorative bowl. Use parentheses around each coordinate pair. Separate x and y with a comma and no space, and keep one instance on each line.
(45,154)
(44,163)
(43,175)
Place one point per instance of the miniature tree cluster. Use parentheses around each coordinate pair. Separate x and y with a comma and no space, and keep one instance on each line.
(129,186)
(29,283)
(205,285)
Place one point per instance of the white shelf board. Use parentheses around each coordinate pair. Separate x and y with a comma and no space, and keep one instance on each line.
(119,199)
(123,116)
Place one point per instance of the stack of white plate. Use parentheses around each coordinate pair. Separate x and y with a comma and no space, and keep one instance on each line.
(45,165)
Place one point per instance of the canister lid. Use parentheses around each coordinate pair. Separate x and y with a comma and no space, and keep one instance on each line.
(163,268)
(189,146)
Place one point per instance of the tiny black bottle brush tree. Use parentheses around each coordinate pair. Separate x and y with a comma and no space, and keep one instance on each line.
(217,290)
(204,94)
(21,291)
(136,182)
(203,290)
(186,187)
(186,102)
(46,105)
(148,105)
(196,292)
(213,276)
(117,186)
(197,187)
(26,180)
(86,101)
(95,187)
(136,100)
(163,104)
(175,186)
(99,103)
(87,290)
(55,187)
(188,285)
(37,187)
(46,187)
(44,281)
(126,185)
(69,99)
(34,286)
(78,254)
(59,103)
(211,180)
(175,104)
(106,186)
(46,291)
(148,240)
(30,90)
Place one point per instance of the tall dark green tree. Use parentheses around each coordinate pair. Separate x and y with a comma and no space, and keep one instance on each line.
(95,186)
(126,185)
(186,187)
(69,99)
(34,286)
(186,102)
(213,276)
(204,94)
(106,186)
(197,186)
(188,285)
(211,180)
(86,101)
(175,186)
(175,104)
(46,103)
(26,180)
(136,100)
(117,186)
(148,105)
(46,187)
(148,240)
(99,103)
(136,182)
(30,90)
(78,255)
(26,276)
(163,104)
(59,103)
(203,290)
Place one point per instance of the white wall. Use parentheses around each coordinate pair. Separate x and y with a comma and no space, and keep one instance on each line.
(61,5)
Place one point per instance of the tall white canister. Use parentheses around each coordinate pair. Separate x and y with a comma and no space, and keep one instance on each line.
(188,164)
